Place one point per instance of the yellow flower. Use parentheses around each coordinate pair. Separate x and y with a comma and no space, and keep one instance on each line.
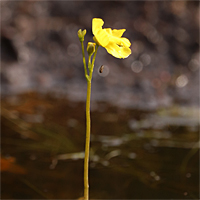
(110,39)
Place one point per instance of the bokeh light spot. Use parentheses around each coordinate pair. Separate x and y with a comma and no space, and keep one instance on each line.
(145,59)
(182,81)
(137,66)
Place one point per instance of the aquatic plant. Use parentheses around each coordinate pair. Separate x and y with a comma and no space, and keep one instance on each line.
(115,45)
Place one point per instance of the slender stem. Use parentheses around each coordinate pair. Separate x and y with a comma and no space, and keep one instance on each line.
(92,65)
(88,127)
(89,63)
(87,143)
(84,62)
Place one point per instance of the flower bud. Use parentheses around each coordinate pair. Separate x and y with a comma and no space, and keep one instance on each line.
(91,48)
(81,34)
(84,32)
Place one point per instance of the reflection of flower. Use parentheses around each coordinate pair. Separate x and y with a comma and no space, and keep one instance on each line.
(110,39)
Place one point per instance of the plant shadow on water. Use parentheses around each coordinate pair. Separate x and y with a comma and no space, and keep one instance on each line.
(135,154)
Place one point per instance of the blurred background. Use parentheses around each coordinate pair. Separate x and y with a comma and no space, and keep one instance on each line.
(145,108)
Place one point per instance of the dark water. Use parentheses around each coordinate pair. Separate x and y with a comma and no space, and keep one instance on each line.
(135,154)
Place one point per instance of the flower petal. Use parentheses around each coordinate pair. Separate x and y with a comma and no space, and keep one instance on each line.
(111,39)
(118,33)
(120,41)
(125,42)
(116,51)
(125,52)
(113,49)
(102,37)
(109,31)
(97,24)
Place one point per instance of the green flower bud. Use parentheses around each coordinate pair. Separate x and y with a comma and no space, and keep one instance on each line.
(84,32)
(91,48)
(81,34)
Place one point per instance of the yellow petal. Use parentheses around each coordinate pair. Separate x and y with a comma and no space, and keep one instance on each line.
(125,52)
(113,49)
(125,42)
(118,52)
(115,35)
(118,33)
(97,24)
(111,39)
(109,31)
(121,41)
(102,37)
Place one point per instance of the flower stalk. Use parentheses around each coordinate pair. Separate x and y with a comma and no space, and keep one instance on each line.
(88,125)
(117,46)
(87,142)
(91,49)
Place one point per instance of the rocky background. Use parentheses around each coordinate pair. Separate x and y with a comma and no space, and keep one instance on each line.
(40,51)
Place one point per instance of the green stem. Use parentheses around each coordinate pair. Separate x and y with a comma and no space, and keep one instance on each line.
(92,65)
(84,62)
(89,63)
(88,127)
(87,143)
